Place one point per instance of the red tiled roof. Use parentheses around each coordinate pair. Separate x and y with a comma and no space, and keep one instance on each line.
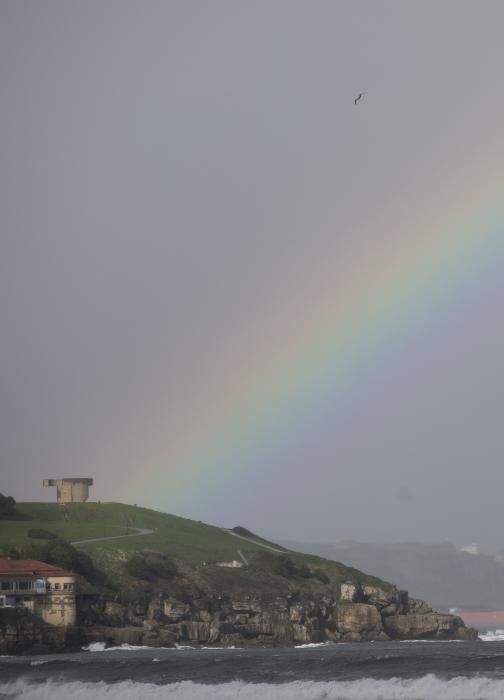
(29,567)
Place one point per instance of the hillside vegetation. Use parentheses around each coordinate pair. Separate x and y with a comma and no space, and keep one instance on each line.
(178,555)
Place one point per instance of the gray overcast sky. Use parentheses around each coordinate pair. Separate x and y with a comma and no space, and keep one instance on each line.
(174,180)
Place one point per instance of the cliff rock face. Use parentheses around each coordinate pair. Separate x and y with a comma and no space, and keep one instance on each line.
(426,626)
(20,631)
(364,614)
(248,620)
(357,622)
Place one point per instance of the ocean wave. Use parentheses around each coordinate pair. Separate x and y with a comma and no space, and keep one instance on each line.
(431,641)
(424,688)
(102,646)
(492,636)
(311,645)
(95,647)
(230,648)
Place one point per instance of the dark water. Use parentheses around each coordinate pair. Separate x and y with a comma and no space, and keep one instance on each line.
(379,671)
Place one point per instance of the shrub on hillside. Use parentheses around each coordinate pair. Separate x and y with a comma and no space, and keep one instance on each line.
(135,566)
(37,533)
(243,532)
(284,566)
(321,576)
(149,567)
(9,551)
(61,553)
(8,509)
(304,571)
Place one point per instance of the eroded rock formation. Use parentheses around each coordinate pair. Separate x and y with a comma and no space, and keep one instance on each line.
(366,614)
(363,614)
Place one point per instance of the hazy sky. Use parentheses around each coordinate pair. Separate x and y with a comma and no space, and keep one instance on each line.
(179,182)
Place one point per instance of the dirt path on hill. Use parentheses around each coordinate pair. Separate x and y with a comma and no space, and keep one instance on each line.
(139,532)
(259,544)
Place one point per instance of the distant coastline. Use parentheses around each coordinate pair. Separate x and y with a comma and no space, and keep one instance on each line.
(482,619)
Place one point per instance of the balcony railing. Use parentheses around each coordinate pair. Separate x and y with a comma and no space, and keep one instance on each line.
(28,587)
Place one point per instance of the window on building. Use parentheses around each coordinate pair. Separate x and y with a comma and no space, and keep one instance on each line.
(57,586)
(6,585)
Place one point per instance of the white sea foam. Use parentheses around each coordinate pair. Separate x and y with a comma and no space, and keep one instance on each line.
(231,648)
(425,688)
(492,636)
(95,646)
(101,646)
(430,641)
(311,645)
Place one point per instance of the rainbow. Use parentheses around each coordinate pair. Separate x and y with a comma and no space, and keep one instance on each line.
(393,281)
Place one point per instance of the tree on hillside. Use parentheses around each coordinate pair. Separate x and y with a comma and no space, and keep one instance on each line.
(62,553)
(7,507)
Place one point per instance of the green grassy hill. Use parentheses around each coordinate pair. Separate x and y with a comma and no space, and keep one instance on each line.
(178,537)
(194,547)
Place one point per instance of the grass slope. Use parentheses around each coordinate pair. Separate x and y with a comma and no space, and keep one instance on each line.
(178,537)
(194,546)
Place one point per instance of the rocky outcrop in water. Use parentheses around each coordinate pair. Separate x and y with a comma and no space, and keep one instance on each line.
(427,626)
(370,614)
(363,614)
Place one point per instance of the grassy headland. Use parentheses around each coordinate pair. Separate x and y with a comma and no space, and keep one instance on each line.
(193,547)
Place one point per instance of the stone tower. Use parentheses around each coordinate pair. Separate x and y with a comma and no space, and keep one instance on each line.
(70,490)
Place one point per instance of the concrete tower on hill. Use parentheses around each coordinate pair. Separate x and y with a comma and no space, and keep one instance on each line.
(70,490)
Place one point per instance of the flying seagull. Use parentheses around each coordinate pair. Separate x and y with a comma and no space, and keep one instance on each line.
(358,97)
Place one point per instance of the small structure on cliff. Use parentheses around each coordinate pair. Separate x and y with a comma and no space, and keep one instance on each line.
(73,490)
(45,590)
(348,591)
(234,564)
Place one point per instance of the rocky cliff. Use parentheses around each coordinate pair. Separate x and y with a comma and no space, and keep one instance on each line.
(369,614)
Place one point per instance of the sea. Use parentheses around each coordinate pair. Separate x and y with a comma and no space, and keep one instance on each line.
(413,670)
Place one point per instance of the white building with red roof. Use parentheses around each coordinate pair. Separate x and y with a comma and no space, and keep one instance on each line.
(47,591)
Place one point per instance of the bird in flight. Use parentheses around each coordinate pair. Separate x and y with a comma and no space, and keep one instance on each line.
(358,97)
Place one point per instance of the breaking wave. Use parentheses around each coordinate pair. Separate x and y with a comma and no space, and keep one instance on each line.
(431,641)
(95,647)
(311,645)
(101,646)
(492,636)
(424,688)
